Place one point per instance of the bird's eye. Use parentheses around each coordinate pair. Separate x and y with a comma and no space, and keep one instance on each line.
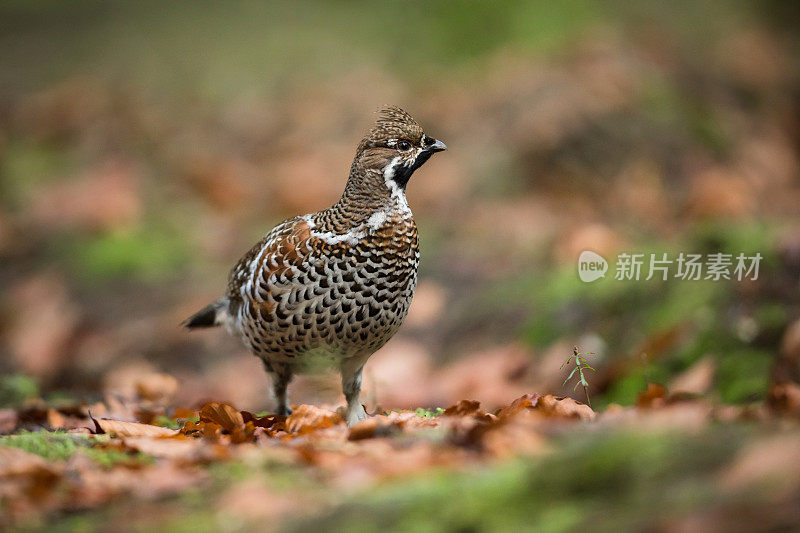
(403,146)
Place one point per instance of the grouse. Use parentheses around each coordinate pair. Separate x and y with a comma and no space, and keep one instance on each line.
(330,288)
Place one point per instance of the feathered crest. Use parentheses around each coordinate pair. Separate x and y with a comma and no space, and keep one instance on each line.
(394,123)
(392,115)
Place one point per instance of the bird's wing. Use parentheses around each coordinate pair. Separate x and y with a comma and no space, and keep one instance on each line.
(276,272)
(268,251)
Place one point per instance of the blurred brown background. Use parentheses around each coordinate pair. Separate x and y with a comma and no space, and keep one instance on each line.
(143,149)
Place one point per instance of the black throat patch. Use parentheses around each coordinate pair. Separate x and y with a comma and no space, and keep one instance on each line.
(403,172)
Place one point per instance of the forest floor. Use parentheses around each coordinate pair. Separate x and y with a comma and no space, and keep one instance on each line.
(672,462)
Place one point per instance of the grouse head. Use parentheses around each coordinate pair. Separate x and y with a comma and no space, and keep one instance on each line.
(395,147)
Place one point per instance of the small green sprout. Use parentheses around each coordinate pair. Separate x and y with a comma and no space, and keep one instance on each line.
(167,422)
(429,413)
(580,365)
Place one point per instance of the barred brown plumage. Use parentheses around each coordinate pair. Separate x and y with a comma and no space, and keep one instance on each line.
(334,286)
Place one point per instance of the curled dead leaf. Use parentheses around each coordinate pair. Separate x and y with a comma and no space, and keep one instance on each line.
(271,423)
(226,416)
(528,401)
(222,423)
(307,418)
(467,408)
(130,429)
(553,406)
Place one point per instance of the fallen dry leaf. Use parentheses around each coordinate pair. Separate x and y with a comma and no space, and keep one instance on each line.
(697,379)
(375,426)
(226,416)
(130,429)
(784,398)
(27,483)
(55,419)
(222,423)
(511,437)
(465,408)
(156,387)
(184,449)
(308,418)
(550,405)
(528,401)
(654,396)
(183,413)
(14,461)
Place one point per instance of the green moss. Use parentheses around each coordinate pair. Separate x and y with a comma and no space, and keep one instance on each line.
(743,375)
(621,481)
(624,390)
(53,446)
(748,238)
(150,252)
(16,388)
(108,458)
(771,316)
(27,165)
(668,104)
(60,446)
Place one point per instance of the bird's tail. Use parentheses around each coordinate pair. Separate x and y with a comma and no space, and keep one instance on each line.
(212,315)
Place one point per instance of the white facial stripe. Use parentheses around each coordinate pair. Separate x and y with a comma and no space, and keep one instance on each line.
(388,171)
(398,194)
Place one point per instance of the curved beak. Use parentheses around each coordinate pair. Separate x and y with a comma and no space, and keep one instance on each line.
(437,146)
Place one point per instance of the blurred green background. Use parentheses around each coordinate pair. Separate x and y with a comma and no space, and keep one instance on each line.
(144,147)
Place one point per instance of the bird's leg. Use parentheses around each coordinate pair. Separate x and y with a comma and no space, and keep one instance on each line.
(281,376)
(351,386)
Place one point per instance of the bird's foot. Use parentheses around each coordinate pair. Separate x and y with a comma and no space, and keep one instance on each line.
(283,410)
(355,414)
